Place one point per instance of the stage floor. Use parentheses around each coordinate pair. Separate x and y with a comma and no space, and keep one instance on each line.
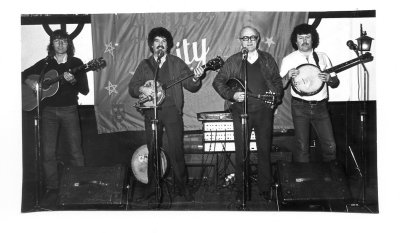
(208,197)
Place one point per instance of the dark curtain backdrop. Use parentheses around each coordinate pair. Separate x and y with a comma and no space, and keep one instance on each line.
(121,39)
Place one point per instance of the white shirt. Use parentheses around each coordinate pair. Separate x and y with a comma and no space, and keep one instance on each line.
(297,58)
(64,59)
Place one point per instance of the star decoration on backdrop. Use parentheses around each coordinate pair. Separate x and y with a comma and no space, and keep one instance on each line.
(269,41)
(109,48)
(111,88)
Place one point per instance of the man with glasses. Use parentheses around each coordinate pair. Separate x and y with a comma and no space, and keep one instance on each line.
(263,76)
(59,112)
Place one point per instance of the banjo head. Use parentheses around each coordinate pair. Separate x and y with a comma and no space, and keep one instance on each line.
(307,83)
(151,102)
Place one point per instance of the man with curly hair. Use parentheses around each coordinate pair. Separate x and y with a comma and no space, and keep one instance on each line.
(171,68)
(310,109)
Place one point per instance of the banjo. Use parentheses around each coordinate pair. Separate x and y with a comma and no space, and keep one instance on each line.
(307,83)
(149,101)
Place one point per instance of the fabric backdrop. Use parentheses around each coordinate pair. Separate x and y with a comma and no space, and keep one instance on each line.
(121,39)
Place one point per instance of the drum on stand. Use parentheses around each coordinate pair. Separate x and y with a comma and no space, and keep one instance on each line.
(139,163)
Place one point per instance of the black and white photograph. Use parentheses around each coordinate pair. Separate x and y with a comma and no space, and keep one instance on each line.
(181,118)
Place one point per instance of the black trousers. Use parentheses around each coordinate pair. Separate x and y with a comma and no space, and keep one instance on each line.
(170,119)
(262,122)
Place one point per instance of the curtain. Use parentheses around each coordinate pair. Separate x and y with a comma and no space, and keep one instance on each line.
(121,39)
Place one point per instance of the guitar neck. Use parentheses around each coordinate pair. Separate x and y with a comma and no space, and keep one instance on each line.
(346,65)
(174,82)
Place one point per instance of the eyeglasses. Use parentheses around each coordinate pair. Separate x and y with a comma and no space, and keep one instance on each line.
(246,38)
(59,41)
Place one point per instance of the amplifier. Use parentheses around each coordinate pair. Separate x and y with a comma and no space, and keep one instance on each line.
(224,146)
(312,182)
(214,116)
(89,187)
(218,136)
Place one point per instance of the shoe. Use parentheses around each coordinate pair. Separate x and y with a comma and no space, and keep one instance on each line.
(49,199)
(266,195)
(145,196)
(186,194)
(239,196)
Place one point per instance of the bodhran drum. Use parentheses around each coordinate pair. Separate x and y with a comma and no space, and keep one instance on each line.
(139,163)
(307,83)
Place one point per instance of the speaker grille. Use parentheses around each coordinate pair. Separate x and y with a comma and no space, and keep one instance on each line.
(312,182)
(93,186)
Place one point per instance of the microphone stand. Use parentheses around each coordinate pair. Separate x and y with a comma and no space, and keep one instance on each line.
(245,137)
(363,119)
(156,148)
(38,155)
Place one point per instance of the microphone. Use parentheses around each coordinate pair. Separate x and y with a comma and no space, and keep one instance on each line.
(351,45)
(245,51)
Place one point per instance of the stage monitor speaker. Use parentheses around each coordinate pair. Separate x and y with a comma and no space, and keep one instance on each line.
(93,186)
(312,182)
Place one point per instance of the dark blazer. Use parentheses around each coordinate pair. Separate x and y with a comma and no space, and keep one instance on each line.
(177,70)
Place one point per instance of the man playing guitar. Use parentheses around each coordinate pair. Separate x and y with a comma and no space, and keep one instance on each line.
(59,112)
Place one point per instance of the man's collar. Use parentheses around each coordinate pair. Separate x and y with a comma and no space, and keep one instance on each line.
(305,54)
(163,59)
(64,59)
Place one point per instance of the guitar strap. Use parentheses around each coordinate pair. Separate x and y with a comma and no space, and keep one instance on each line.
(316,59)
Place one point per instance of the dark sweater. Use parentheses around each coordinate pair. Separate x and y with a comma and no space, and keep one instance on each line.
(232,69)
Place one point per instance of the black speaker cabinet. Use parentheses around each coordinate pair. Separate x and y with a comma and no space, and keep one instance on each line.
(83,187)
(311,182)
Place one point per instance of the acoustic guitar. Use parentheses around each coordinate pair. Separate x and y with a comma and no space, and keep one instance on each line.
(50,83)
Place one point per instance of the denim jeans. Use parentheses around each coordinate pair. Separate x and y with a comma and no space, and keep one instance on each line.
(262,122)
(317,115)
(56,123)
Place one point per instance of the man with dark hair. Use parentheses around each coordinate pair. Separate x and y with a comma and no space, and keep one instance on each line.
(160,42)
(59,112)
(263,76)
(309,108)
